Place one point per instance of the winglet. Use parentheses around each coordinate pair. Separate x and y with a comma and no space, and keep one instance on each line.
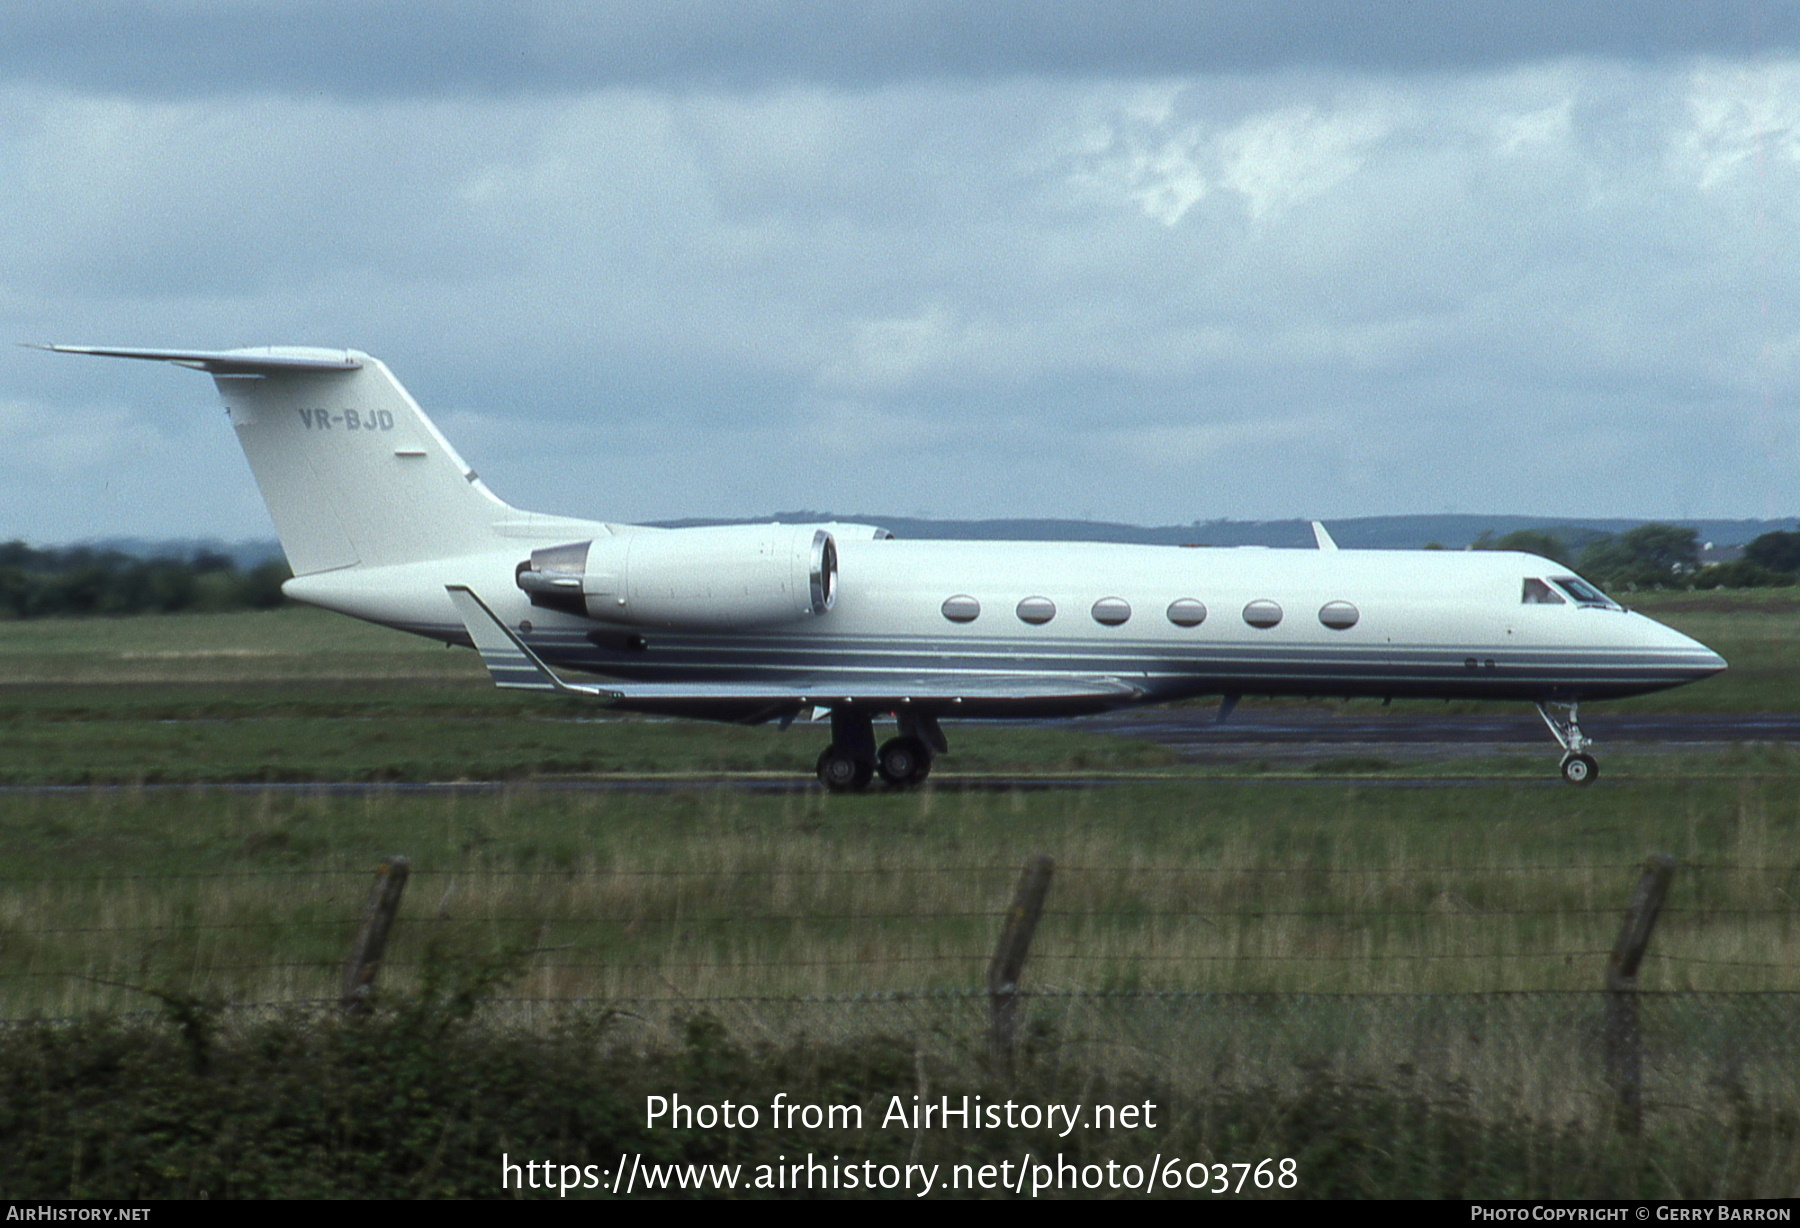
(1322,537)
(511,662)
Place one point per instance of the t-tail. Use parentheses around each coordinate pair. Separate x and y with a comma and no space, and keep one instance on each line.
(352,470)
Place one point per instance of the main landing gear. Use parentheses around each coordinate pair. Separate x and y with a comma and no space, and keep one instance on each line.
(1578,767)
(852,761)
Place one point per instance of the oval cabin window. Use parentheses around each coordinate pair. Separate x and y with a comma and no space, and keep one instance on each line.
(1338,615)
(1111,611)
(1263,614)
(962,608)
(1187,612)
(1037,610)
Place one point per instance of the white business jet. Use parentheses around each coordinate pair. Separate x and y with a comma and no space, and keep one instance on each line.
(382,520)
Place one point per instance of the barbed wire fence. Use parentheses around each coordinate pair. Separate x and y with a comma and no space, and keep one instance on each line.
(1227,972)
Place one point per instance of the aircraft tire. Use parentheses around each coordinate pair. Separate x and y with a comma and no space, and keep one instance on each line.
(1580,769)
(903,762)
(840,773)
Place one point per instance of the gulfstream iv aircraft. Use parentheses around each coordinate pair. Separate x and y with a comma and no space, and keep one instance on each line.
(382,520)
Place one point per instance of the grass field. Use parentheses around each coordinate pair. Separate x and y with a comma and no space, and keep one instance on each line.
(698,895)
(1171,878)
(716,892)
(297,694)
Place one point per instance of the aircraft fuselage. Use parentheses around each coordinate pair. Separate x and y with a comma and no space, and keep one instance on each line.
(382,519)
(1439,624)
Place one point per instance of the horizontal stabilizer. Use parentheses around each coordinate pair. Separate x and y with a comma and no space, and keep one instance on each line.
(353,472)
(263,361)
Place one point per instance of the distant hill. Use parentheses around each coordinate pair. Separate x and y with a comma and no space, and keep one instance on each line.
(1366,532)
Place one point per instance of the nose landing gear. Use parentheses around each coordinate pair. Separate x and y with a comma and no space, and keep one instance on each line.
(1578,767)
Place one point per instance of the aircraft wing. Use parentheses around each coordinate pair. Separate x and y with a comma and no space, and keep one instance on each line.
(514,666)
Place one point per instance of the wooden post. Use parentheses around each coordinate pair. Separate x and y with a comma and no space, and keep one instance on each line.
(1008,965)
(1624,1041)
(371,938)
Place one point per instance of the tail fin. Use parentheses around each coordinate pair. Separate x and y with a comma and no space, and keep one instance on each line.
(351,468)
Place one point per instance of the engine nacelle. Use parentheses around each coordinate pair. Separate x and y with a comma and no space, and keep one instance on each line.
(704,579)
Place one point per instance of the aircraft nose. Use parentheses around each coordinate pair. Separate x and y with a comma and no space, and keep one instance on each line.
(1689,656)
(1713,662)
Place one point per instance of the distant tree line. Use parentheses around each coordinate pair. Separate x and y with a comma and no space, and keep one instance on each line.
(1657,556)
(81,580)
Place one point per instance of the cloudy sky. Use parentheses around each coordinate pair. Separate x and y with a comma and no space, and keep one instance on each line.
(1143,262)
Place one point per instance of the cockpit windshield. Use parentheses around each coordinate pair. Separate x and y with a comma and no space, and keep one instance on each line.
(1583,592)
(1536,592)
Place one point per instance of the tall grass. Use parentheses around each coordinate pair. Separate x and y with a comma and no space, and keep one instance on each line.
(417,1103)
(867,921)
(723,893)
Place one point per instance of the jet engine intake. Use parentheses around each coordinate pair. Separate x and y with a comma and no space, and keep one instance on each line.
(702,579)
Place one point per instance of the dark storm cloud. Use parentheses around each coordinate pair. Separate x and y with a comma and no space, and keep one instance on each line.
(399,49)
(644,267)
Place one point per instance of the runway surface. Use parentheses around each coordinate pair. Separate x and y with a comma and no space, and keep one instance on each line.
(797,782)
(1196,733)
(1291,745)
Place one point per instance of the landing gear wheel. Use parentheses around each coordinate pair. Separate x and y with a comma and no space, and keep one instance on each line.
(904,761)
(1580,769)
(842,774)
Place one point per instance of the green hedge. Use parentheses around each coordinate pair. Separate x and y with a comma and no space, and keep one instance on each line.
(417,1103)
(80,580)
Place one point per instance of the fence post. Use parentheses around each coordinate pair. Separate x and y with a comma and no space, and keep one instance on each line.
(1008,965)
(371,937)
(1624,1040)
